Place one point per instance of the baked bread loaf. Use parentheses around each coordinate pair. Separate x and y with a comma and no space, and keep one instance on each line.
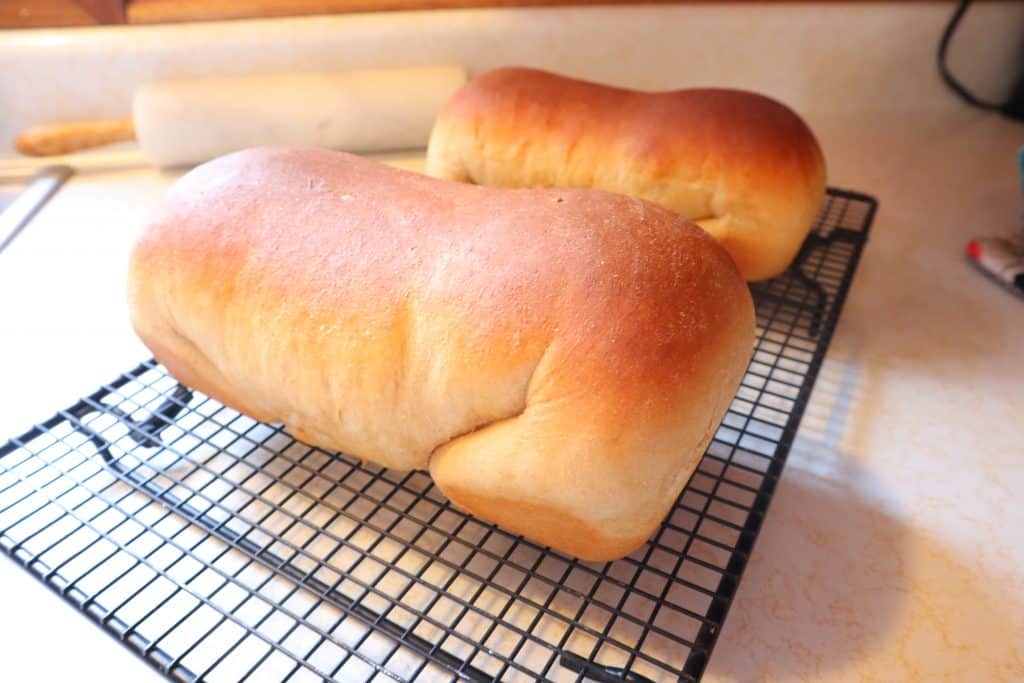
(742,166)
(558,359)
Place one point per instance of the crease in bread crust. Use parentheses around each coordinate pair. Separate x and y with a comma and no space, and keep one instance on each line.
(484,425)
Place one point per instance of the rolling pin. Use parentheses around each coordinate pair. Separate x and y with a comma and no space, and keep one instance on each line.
(188,122)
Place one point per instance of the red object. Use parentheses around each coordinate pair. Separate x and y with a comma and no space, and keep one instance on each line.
(974,250)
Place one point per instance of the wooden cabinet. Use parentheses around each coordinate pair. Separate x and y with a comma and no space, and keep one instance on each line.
(54,13)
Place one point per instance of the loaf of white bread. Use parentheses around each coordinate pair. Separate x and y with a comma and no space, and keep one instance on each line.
(742,166)
(557,359)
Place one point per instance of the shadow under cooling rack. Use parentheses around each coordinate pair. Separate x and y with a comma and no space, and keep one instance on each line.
(218,548)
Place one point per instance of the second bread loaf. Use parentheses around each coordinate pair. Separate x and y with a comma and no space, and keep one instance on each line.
(742,166)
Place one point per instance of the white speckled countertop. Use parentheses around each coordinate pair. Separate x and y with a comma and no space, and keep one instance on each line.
(893,549)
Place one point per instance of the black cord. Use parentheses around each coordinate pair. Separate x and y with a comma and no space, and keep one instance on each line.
(954,84)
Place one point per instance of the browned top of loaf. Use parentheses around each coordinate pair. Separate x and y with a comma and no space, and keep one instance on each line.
(663,131)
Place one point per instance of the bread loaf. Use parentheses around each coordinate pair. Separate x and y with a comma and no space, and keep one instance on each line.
(558,360)
(742,166)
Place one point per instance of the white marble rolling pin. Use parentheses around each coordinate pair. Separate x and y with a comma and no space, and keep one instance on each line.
(187,122)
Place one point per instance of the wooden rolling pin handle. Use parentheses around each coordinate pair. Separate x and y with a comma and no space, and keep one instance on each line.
(63,138)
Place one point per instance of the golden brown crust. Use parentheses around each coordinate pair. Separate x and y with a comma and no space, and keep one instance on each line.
(741,165)
(558,359)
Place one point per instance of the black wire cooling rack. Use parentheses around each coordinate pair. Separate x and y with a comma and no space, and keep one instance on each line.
(218,548)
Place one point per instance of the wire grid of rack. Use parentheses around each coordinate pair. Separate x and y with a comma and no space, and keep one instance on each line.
(218,548)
